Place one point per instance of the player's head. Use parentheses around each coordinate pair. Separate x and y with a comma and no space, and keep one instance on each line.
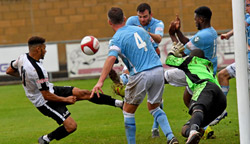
(36,44)
(116,16)
(248,6)
(197,52)
(144,14)
(203,15)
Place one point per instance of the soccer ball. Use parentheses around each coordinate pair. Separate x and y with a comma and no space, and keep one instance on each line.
(90,45)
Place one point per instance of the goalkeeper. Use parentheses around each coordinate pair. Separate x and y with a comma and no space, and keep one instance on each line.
(208,101)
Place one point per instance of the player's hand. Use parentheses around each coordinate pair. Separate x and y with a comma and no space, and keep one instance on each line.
(96,90)
(177,23)
(171,29)
(71,99)
(224,36)
(177,49)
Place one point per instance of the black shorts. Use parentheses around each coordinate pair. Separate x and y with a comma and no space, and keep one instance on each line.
(213,101)
(57,110)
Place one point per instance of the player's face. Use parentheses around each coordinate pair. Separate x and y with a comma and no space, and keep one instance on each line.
(43,50)
(248,6)
(197,20)
(144,17)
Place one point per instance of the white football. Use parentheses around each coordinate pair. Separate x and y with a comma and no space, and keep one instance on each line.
(90,45)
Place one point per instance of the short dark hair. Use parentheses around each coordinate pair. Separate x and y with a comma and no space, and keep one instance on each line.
(116,15)
(144,6)
(204,12)
(197,52)
(34,40)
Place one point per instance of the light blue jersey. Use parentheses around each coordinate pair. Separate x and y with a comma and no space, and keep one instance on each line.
(247,19)
(132,44)
(155,26)
(205,40)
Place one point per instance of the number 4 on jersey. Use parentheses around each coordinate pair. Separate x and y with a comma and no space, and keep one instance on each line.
(139,42)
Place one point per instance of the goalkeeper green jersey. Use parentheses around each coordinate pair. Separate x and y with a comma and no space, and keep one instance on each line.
(198,72)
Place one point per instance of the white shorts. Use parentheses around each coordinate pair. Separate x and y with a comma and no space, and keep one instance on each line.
(231,69)
(175,77)
(150,82)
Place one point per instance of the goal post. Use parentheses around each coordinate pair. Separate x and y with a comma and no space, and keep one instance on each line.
(241,61)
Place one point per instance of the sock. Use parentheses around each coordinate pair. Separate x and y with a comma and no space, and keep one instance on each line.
(225,89)
(104,99)
(45,137)
(118,103)
(194,127)
(205,127)
(161,105)
(156,124)
(130,128)
(196,120)
(160,116)
(58,134)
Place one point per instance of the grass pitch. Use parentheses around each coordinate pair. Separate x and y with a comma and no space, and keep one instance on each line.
(22,123)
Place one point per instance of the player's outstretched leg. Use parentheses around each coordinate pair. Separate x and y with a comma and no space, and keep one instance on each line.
(160,116)
(209,133)
(104,99)
(192,128)
(107,100)
(219,118)
(68,127)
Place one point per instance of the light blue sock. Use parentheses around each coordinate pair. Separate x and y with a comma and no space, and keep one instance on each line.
(130,128)
(205,127)
(161,118)
(225,89)
(156,124)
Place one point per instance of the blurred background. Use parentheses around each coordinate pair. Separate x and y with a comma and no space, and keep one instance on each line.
(65,22)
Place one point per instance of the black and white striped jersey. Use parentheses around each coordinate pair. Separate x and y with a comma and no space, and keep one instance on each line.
(34,78)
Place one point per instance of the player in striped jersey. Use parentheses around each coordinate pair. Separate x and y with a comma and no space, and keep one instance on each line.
(48,99)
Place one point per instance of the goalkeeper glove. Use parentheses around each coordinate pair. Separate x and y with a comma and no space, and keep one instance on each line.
(177,49)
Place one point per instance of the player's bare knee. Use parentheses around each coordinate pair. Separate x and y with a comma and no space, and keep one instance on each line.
(223,75)
(84,92)
(71,127)
(184,129)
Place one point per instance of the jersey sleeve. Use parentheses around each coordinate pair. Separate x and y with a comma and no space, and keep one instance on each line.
(14,65)
(248,20)
(131,21)
(174,61)
(114,50)
(193,43)
(159,29)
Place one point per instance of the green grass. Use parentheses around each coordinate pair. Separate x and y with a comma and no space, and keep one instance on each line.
(21,123)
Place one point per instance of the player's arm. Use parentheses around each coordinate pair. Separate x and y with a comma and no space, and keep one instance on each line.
(179,34)
(11,70)
(106,68)
(174,56)
(171,31)
(156,37)
(105,71)
(181,37)
(52,97)
(227,35)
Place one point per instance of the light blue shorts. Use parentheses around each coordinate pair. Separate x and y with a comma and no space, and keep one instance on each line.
(149,82)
